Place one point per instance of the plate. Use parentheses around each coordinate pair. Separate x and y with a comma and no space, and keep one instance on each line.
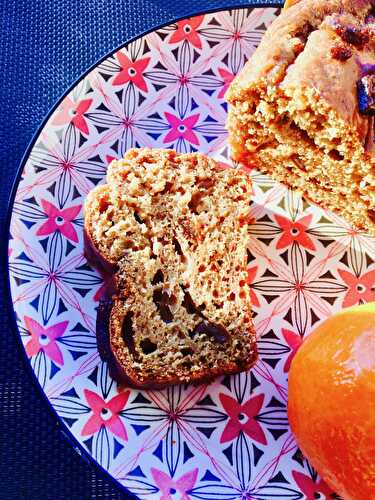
(229,440)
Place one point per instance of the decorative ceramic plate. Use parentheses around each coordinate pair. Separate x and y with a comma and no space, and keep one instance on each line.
(229,440)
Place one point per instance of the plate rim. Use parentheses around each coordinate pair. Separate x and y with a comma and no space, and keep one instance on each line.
(72,441)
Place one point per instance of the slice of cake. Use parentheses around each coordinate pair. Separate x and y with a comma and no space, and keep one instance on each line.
(174,229)
(302,109)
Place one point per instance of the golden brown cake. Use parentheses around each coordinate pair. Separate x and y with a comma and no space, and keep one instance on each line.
(173,227)
(302,109)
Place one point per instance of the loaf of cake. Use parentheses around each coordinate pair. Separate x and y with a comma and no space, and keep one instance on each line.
(302,109)
(173,230)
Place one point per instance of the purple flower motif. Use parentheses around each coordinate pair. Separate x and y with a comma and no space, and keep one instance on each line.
(182,129)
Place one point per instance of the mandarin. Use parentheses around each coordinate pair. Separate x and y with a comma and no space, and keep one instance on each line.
(331,405)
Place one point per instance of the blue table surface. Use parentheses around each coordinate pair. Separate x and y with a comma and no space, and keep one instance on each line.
(45,46)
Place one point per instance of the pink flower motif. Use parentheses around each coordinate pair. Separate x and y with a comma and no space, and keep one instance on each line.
(294,341)
(169,486)
(107,288)
(309,488)
(187,30)
(294,231)
(131,71)
(59,220)
(73,112)
(105,414)
(227,80)
(110,158)
(241,418)
(181,128)
(360,289)
(44,339)
(251,273)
